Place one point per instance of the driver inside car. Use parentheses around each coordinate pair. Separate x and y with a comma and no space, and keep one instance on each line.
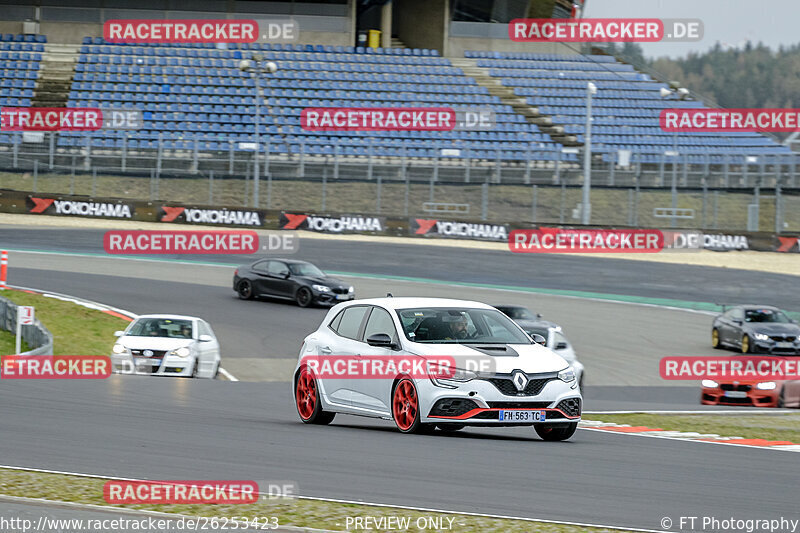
(458,328)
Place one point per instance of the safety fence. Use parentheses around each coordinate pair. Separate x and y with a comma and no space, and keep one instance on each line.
(36,335)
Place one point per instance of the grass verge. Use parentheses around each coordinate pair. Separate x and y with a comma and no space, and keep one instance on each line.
(7,343)
(76,330)
(779,427)
(296,512)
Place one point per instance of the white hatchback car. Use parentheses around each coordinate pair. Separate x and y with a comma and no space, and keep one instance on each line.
(167,345)
(500,378)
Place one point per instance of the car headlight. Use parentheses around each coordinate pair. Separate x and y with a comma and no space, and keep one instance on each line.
(118,348)
(351,289)
(321,288)
(761,336)
(567,375)
(709,384)
(451,377)
(766,385)
(183,351)
(798,338)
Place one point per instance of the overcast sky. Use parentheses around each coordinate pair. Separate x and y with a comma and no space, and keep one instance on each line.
(731,22)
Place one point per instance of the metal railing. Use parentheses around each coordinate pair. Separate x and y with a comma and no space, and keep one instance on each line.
(36,336)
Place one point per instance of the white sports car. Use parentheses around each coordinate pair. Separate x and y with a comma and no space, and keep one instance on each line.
(167,345)
(500,378)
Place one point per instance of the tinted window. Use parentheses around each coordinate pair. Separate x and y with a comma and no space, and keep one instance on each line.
(380,321)
(261,266)
(765,315)
(351,321)
(738,314)
(307,269)
(519,313)
(538,331)
(161,327)
(276,268)
(453,326)
(334,325)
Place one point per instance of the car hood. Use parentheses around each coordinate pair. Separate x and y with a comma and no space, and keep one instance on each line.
(775,328)
(530,358)
(153,343)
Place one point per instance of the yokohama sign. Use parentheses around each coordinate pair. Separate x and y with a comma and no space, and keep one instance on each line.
(327,224)
(51,206)
(458,230)
(209,216)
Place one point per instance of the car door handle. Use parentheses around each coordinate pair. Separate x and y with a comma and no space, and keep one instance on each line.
(325,350)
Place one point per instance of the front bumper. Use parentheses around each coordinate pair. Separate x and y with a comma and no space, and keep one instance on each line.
(169,365)
(480,403)
(776,348)
(746,395)
(330,298)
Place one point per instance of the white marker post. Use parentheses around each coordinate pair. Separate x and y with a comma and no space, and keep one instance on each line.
(24,318)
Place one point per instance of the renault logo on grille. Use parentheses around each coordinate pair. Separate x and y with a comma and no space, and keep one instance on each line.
(520,380)
(147,353)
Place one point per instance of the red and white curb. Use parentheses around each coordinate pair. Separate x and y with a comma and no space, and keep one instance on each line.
(89,304)
(711,438)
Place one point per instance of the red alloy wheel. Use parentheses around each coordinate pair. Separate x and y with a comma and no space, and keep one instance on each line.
(405,406)
(306,394)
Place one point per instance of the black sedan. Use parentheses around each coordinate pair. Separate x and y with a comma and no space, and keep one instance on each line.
(752,328)
(290,279)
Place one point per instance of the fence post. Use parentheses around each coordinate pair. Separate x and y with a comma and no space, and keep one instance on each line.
(528,164)
(160,150)
(704,180)
(745,172)
(534,203)
(792,163)
(269,191)
(563,199)
(716,206)
(124,163)
(152,184)
(324,184)
(612,167)
(405,202)
(87,160)
(630,207)
(15,150)
(379,194)
(778,207)
(35,174)
(636,180)
(685,176)
(301,169)
(336,161)
(469,164)
(485,200)
(72,178)
(369,160)
(497,165)
(210,187)
(558,168)
(661,171)
(94,182)
(725,176)
(230,158)
(194,155)
(52,149)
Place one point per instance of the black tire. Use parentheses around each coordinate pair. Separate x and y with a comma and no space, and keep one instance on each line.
(216,372)
(450,428)
(550,433)
(194,370)
(303,297)
(781,399)
(245,290)
(306,384)
(715,342)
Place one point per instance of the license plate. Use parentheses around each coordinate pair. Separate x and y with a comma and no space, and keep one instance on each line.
(148,362)
(735,394)
(342,296)
(522,416)
(784,345)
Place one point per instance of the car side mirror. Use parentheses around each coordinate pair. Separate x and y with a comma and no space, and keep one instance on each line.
(206,338)
(381,340)
(538,339)
(119,333)
(737,322)
(286,274)
(561,346)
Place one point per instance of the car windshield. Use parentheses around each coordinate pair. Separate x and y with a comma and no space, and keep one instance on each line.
(459,326)
(161,327)
(517,313)
(306,269)
(765,315)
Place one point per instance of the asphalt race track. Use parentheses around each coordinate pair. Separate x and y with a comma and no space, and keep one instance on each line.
(181,429)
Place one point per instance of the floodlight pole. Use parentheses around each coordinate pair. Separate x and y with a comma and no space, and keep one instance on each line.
(256,174)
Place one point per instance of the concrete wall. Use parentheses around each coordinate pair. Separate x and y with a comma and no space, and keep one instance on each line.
(424,24)
(457,45)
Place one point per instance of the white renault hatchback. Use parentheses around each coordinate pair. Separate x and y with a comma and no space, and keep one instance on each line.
(167,345)
(432,362)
